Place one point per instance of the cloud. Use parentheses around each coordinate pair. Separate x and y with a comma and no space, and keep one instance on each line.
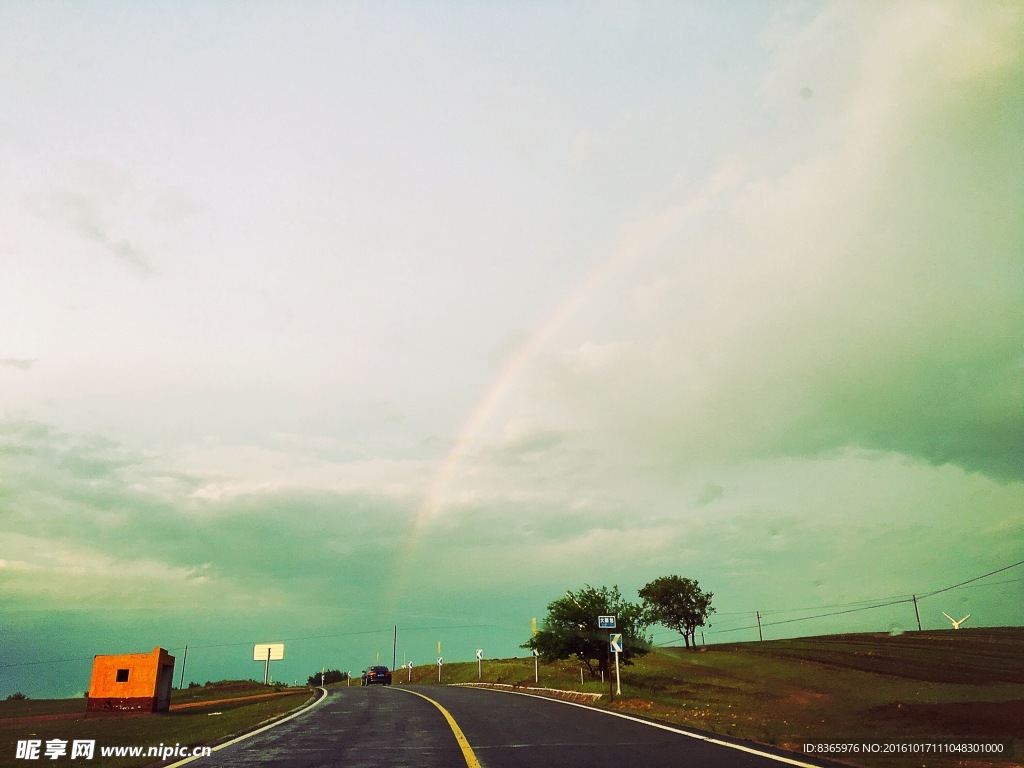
(22,364)
(83,214)
(90,523)
(866,292)
(522,441)
(131,220)
(57,573)
(812,354)
(711,493)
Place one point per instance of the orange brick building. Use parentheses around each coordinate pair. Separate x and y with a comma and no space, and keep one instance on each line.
(131,682)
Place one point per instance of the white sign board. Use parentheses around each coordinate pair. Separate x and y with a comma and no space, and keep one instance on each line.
(265,651)
(606,622)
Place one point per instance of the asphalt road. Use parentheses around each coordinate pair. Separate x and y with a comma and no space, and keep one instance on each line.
(394,727)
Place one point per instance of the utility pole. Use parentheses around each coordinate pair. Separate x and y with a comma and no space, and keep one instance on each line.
(181,680)
(917,613)
(611,693)
(759,635)
(394,654)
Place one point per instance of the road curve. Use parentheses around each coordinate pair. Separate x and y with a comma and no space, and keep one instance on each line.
(378,726)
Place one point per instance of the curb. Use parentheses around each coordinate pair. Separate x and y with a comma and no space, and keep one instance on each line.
(273,724)
(551,693)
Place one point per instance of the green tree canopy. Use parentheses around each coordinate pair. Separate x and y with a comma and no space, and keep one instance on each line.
(570,629)
(677,603)
(330,676)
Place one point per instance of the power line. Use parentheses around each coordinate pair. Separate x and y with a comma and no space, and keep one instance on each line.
(976,578)
(992,584)
(894,600)
(285,640)
(888,602)
(814,607)
(851,604)
(48,661)
(817,616)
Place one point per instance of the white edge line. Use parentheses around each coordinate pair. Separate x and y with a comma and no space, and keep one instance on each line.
(245,736)
(664,727)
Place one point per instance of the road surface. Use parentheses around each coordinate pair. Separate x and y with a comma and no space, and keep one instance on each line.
(449,727)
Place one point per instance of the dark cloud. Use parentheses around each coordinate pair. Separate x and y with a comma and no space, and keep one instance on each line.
(93,496)
(866,295)
(712,492)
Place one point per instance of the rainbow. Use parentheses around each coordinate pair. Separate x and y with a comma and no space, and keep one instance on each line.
(634,243)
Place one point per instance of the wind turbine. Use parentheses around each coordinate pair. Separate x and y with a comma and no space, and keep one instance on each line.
(956,624)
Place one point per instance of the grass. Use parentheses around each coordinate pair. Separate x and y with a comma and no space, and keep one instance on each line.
(915,687)
(210,714)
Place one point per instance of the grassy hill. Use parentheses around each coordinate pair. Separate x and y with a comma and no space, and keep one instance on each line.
(920,686)
(915,687)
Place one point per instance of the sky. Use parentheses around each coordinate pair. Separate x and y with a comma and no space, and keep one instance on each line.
(323,319)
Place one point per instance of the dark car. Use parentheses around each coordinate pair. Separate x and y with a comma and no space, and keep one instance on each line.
(380,675)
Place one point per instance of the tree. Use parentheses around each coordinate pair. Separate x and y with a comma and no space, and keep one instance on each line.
(570,629)
(677,603)
(330,676)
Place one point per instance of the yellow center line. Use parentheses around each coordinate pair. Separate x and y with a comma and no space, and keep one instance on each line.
(467,751)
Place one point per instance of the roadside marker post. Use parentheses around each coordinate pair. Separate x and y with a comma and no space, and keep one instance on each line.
(479,663)
(536,666)
(440,663)
(409,665)
(615,643)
